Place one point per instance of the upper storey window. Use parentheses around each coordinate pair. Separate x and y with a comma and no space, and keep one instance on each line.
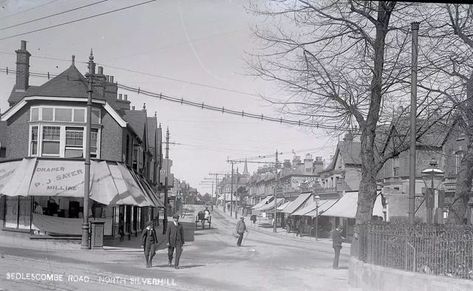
(63,114)
(60,132)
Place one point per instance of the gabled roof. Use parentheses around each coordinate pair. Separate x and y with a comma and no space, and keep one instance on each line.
(349,151)
(70,83)
(137,121)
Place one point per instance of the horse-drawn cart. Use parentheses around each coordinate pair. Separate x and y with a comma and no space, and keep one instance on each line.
(202,218)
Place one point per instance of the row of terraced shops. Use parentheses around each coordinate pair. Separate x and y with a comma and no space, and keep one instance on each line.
(308,209)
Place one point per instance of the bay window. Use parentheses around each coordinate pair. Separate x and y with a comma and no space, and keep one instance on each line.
(60,132)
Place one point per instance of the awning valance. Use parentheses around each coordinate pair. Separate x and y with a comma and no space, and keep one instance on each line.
(262,202)
(270,205)
(311,209)
(284,205)
(297,203)
(346,206)
(111,183)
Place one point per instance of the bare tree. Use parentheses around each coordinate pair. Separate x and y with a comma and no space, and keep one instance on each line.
(347,64)
(450,59)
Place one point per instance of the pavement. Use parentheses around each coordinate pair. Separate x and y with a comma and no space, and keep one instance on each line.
(264,225)
(266,261)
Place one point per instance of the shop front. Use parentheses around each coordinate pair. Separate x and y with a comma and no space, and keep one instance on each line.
(45,196)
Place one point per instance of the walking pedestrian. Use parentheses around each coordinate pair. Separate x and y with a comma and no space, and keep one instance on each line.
(149,240)
(175,236)
(337,240)
(240,230)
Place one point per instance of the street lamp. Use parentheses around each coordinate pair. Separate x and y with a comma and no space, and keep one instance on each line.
(317,199)
(435,177)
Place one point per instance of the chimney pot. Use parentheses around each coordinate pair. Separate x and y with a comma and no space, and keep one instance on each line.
(100,72)
(133,107)
(119,96)
(111,79)
(126,98)
(22,68)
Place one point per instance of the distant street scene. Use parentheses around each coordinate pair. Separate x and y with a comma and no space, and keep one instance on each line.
(265,261)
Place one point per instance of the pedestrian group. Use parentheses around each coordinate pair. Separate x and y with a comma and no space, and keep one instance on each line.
(175,238)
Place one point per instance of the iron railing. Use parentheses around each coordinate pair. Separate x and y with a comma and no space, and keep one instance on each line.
(434,249)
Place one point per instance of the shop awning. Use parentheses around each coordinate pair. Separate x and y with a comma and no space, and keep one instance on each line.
(15,176)
(262,202)
(297,203)
(147,190)
(284,205)
(270,205)
(110,183)
(311,210)
(346,206)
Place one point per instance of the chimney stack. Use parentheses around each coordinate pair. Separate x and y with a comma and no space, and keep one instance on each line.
(100,70)
(133,107)
(120,96)
(22,68)
(111,79)
(126,97)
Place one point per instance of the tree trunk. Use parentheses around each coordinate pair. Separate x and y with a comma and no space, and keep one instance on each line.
(458,210)
(369,168)
(367,189)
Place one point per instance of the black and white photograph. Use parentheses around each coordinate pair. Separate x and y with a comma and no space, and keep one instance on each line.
(236,145)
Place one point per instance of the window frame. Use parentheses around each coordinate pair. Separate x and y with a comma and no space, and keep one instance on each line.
(72,120)
(62,140)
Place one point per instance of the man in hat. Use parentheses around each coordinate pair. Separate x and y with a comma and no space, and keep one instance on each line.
(240,230)
(149,240)
(175,236)
(337,240)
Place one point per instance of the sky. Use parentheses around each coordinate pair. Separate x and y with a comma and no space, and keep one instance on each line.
(189,49)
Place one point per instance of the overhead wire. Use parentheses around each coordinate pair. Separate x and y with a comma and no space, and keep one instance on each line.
(52,15)
(29,9)
(78,20)
(150,75)
(202,105)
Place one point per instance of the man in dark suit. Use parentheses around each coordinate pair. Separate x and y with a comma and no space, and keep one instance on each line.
(175,235)
(149,240)
(337,240)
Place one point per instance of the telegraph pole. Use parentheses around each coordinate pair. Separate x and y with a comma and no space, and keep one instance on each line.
(85,223)
(231,192)
(412,151)
(276,192)
(165,218)
(216,187)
